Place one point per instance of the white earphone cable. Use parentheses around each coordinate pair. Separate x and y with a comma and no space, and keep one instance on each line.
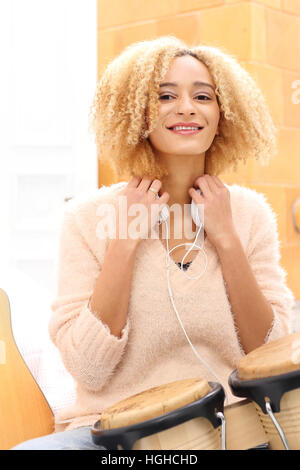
(172,298)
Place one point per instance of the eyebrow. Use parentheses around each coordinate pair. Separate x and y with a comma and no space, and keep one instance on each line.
(194,84)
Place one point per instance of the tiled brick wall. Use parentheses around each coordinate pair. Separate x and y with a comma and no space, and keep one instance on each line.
(264,36)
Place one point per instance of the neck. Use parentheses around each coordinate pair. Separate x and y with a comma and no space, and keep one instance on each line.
(182,172)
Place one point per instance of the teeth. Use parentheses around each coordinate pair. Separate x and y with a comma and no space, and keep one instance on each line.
(179,128)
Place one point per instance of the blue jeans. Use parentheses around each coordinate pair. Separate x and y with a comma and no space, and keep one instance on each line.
(75,439)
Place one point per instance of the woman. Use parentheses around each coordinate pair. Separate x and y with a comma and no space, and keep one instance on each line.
(113,321)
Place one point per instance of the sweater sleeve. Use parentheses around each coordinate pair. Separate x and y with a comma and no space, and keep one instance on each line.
(264,258)
(88,349)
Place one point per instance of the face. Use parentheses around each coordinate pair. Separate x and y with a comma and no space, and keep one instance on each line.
(188,103)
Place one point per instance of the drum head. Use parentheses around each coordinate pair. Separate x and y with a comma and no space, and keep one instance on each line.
(271,359)
(154,402)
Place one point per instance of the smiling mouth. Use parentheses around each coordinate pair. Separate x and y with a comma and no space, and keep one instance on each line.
(185,131)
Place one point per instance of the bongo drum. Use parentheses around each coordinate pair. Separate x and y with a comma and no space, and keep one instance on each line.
(270,377)
(244,430)
(186,414)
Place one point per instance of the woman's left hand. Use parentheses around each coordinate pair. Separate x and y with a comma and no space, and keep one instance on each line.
(218,223)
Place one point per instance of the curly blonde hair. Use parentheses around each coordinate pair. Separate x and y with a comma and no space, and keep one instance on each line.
(130,85)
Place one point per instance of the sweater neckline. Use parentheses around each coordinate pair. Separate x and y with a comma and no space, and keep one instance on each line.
(178,276)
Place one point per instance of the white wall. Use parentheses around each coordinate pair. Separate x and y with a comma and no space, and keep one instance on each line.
(46,154)
(47,81)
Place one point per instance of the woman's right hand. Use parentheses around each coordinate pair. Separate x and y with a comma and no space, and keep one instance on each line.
(137,192)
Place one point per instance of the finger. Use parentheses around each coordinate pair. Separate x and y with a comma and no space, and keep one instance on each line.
(202,183)
(211,182)
(145,183)
(164,198)
(134,182)
(156,185)
(195,195)
(218,182)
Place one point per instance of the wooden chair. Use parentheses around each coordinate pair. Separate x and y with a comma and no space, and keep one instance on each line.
(24,410)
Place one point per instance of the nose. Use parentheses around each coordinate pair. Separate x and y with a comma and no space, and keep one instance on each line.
(186,105)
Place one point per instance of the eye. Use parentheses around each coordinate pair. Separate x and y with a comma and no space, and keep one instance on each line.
(164,96)
(203,96)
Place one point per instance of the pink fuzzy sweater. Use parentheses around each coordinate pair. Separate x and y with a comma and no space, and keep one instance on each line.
(153,349)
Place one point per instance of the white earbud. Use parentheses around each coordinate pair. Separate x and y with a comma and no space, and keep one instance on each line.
(164,214)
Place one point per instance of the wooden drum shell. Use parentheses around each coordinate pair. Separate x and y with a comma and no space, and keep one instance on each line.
(195,434)
(289,420)
(244,429)
(271,373)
